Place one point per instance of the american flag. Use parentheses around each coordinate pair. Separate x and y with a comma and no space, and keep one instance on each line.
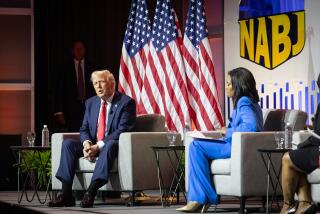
(200,70)
(135,50)
(164,87)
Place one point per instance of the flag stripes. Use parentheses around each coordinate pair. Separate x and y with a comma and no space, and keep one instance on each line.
(166,74)
(200,70)
(135,50)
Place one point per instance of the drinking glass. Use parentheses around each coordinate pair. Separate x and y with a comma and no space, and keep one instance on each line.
(31,137)
(279,138)
(171,136)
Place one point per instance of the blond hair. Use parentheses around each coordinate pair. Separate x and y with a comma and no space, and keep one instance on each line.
(108,76)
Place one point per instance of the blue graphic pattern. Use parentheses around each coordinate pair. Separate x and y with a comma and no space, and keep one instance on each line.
(256,8)
(302,96)
(306,92)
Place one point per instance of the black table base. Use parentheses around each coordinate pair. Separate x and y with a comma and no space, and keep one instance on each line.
(274,174)
(175,155)
(31,176)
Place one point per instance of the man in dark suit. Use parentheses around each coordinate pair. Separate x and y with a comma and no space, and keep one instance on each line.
(73,87)
(107,115)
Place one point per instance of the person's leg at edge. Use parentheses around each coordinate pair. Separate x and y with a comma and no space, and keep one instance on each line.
(289,181)
(304,194)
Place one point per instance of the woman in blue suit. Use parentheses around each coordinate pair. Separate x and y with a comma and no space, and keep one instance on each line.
(246,117)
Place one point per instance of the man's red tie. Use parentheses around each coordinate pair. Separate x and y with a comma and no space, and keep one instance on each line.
(102,122)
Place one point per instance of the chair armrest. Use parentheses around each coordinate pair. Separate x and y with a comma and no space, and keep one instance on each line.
(247,164)
(56,143)
(299,137)
(136,161)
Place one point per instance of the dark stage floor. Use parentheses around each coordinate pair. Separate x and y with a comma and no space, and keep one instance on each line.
(149,204)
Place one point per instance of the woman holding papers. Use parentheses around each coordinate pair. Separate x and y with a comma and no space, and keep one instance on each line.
(246,117)
(296,164)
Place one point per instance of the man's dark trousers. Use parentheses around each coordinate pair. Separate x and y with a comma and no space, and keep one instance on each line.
(72,150)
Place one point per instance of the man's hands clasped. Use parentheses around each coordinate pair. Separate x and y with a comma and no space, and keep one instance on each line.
(90,151)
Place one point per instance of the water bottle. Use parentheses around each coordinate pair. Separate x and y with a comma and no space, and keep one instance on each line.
(185,130)
(319,158)
(288,136)
(45,136)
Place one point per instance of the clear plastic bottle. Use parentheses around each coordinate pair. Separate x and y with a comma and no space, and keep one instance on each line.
(45,136)
(319,158)
(185,130)
(288,136)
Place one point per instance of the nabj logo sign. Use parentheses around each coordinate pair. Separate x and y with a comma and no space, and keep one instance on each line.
(271,31)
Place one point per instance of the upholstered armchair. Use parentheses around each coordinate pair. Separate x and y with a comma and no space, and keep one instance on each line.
(243,174)
(135,168)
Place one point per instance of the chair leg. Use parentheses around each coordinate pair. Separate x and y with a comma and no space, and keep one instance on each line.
(216,205)
(215,208)
(242,204)
(219,199)
(131,201)
(54,194)
(264,203)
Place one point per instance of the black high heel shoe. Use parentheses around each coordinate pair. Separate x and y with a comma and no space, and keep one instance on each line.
(310,209)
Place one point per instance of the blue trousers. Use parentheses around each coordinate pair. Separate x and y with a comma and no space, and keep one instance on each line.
(200,185)
(72,150)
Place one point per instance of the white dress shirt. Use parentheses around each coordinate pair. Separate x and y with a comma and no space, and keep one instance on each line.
(108,106)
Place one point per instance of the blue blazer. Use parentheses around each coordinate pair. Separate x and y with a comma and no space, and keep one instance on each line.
(247,117)
(121,118)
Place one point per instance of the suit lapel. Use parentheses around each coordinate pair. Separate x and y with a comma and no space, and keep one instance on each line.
(95,114)
(112,111)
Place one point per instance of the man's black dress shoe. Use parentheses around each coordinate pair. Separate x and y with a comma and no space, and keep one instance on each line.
(87,200)
(62,201)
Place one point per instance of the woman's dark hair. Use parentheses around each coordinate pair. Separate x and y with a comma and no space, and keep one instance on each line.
(243,84)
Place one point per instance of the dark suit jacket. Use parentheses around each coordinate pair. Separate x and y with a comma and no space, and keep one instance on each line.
(121,118)
(66,99)
(312,141)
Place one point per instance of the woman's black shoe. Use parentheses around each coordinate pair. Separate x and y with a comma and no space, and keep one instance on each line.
(311,209)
